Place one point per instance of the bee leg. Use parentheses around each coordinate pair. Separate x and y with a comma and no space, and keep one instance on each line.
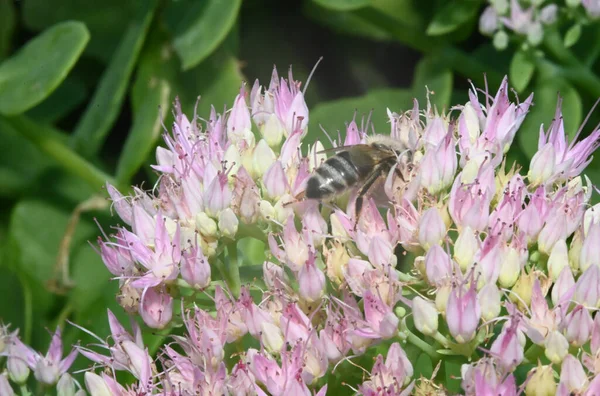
(371,179)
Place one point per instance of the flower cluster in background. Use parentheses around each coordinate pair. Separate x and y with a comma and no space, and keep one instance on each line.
(502,270)
(527,19)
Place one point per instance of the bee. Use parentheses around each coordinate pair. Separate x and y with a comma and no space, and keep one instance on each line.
(359,166)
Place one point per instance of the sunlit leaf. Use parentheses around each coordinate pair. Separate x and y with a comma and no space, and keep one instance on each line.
(521,70)
(572,35)
(204,27)
(105,37)
(452,15)
(29,76)
(108,98)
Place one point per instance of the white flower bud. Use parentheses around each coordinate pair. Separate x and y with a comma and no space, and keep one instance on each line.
(267,212)
(228,223)
(271,337)
(205,225)
(465,248)
(500,40)
(489,301)
(542,165)
(425,316)
(559,259)
(272,131)
(232,160)
(557,347)
(262,158)
(511,267)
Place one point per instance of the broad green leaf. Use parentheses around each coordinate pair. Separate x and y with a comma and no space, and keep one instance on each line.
(521,70)
(21,162)
(334,115)
(545,95)
(106,103)
(7,26)
(10,285)
(205,25)
(343,5)
(437,77)
(29,76)
(106,20)
(52,143)
(572,35)
(452,15)
(91,277)
(423,366)
(70,94)
(144,132)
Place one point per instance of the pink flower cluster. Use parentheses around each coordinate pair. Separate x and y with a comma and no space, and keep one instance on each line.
(501,267)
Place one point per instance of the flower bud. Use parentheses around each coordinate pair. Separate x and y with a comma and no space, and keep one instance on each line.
(572,375)
(559,259)
(535,33)
(275,181)
(488,22)
(465,248)
(557,347)
(228,223)
(195,269)
(232,159)
(579,325)
(441,298)
(205,225)
(500,40)
(563,285)
(18,371)
(425,316)
(521,291)
(548,14)
(587,288)
(438,266)
(592,215)
(463,313)
(217,195)
(541,382)
(156,308)
(336,260)
(272,131)
(311,281)
(489,301)
(66,385)
(5,388)
(590,249)
(96,385)
(510,267)
(542,165)
(266,209)
(271,337)
(283,209)
(432,229)
(262,158)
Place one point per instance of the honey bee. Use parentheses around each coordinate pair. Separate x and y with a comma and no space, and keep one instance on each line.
(359,166)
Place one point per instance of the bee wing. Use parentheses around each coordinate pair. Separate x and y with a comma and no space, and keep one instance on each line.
(335,149)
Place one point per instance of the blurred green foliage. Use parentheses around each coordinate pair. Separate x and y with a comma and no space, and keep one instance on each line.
(81,85)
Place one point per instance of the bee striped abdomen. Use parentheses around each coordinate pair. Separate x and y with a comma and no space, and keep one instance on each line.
(334,176)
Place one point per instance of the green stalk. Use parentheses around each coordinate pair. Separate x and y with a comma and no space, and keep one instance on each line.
(230,268)
(422,345)
(51,143)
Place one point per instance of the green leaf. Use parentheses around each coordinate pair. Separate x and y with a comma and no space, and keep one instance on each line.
(521,70)
(423,366)
(106,103)
(334,115)
(572,35)
(144,132)
(70,94)
(545,95)
(452,15)
(105,37)
(205,26)
(29,76)
(20,163)
(7,26)
(437,77)
(343,5)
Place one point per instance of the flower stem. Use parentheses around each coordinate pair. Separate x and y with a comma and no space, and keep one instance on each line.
(230,268)
(24,390)
(52,143)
